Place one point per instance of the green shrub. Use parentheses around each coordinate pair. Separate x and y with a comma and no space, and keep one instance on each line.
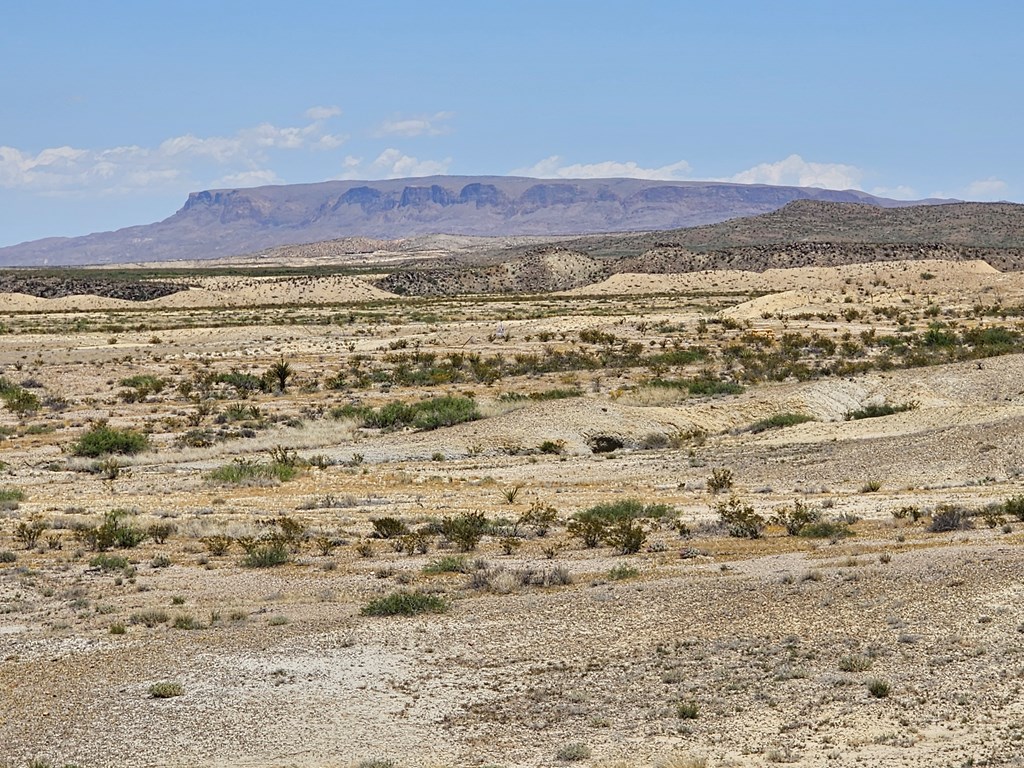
(571,753)
(388,528)
(794,519)
(267,554)
(626,536)
(739,519)
(629,509)
(448,564)
(825,529)
(114,531)
(29,531)
(404,603)
(11,498)
(186,621)
(622,572)
(109,562)
(855,663)
(165,690)
(879,689)
(6,556)
(687,710)
(778,421)
(720,480)
(150,617)
(248,472)
(102,440)
(1015,506)
(589,527)
(465,530)
(948,517)
(875,411)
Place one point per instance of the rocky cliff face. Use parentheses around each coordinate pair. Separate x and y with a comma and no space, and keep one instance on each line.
(227,222)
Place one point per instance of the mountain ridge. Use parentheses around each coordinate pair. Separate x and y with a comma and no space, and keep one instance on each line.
(230,222)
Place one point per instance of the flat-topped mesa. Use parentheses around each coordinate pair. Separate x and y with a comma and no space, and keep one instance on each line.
(232,222)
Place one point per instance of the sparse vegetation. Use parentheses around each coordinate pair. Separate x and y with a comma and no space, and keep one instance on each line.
(405,603)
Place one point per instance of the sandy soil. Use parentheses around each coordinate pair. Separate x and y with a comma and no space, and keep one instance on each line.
(697,650)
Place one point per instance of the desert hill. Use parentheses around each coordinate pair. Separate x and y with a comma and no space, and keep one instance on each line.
(230,222)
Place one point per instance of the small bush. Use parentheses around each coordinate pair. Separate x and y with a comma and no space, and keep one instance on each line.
(720,480)
(149,618)
(160,532)
(248,472)
(947,517)
(186,621)
(622,572)
(571,753)
(388,528)
(795,519)
(687,710)
(165,690)
(103,440)
(626,536)
(217,545)
(879,689)
(875,411)
(739,519)
(855,663)
(778,421)
(6,556)
(109,562)
(448,564)
(465,530)
(1015,506)
(28,532)
(267,555)
(825,529)
(404,603)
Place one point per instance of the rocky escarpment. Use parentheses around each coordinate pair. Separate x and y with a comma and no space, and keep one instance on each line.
(232,222)
(54,287)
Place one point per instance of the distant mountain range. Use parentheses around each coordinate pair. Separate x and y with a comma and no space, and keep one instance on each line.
(231,222)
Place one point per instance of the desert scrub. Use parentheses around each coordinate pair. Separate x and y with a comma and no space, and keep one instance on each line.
(247,472)
(879,689)
(948,517)
(778,421)
(622,572)
(720,480)
(574,752)
(115,531)
(794,519)
(875,411)
(166,690)
(102,440)
(427,414)
(825,529)
(740,520)
(448,564)
(10,498)
(266,554)
(404,603)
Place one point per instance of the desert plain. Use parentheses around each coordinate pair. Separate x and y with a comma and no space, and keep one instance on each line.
(720,518)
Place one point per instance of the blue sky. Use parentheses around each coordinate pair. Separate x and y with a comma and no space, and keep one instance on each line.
(112,112)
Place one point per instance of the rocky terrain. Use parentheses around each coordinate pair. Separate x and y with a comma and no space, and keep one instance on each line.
(230,222)
(562,514)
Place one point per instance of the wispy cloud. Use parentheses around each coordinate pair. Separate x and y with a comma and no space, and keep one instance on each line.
(421,125)
(241,159)
(900,192)
(554,168)
(393,164)
(986,189)
(795,171)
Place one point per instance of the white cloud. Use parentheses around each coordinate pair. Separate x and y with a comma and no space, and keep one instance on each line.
(901,192)
(256,178)
(986,189)
(553,168)
(795,171)
(393,164)
(322,113)
(423,125)
(188,160)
